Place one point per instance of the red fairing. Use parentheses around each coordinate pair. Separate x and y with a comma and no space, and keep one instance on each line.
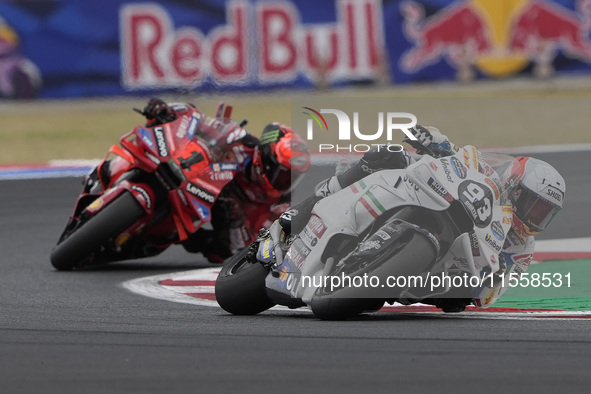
(174,175)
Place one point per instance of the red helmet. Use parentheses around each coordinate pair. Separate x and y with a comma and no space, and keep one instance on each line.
(536,191)
(281,158)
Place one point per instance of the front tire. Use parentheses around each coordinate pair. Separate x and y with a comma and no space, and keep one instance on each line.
(108,223)
(240,286)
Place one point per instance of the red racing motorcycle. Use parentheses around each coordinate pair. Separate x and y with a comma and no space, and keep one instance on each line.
(153,191)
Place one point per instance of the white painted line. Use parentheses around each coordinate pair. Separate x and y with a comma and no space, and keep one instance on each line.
(564,245)
(150,286)
(561,148)
(53,169)
(75,163)
(550,315)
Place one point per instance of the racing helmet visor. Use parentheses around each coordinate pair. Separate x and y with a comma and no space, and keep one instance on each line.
(280,178)
(535,210)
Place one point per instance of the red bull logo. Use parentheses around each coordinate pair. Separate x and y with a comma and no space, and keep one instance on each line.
(496,37)
(261,41)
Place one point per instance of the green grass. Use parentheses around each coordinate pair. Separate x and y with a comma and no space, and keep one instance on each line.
(576,297)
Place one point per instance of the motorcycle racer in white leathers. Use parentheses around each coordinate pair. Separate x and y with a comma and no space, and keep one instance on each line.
(532,187)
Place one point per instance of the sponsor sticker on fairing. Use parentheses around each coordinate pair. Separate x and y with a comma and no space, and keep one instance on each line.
(161,142)
(493,186)
(466,158)
(491,296)
(287,275)
(446,170)
(182,130)
(410,185)
(297,253)
(474,245)
(439,189)
(458,168)
(317,226)
(146,136)
(383,235)
(497,230)
(266,251)
(202,210)
(195,118)
(493,243)
(224,167)
(200,193)
(144,195)
(221,175)
(523,260)
(475,162)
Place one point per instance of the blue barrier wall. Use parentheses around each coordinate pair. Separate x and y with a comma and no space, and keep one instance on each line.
(116,47)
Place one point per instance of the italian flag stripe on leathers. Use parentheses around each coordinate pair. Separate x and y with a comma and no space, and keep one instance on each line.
(371,203)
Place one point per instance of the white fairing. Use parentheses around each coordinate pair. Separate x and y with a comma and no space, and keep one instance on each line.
(430,183)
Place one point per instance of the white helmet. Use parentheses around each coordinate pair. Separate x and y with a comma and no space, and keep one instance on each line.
(536,191)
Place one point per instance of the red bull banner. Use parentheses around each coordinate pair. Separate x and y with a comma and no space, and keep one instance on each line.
(70,48)
(494,38)
(276,49)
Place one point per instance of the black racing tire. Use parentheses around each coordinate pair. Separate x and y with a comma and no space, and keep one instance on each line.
(343,304)
(326,308)
(240,286)
(120,214)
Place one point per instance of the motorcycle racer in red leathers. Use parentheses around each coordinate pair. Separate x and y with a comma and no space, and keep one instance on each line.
(532,187)
(268,169)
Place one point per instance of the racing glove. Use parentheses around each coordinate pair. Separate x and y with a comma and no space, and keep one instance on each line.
(431,141)
(423,135)
(158,112)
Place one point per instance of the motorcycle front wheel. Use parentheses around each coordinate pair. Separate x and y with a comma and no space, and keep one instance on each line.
(240,286)
(88,238)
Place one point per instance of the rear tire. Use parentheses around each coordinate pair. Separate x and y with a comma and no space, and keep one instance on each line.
(240,286)
(343,304)
(326,308)
(114,218)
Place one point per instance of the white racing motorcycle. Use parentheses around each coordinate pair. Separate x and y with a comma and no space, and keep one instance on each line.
(396,235)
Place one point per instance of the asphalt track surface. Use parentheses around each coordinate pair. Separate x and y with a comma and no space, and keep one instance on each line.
(81,332)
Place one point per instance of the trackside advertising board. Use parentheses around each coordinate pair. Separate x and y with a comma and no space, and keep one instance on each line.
(72,48)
